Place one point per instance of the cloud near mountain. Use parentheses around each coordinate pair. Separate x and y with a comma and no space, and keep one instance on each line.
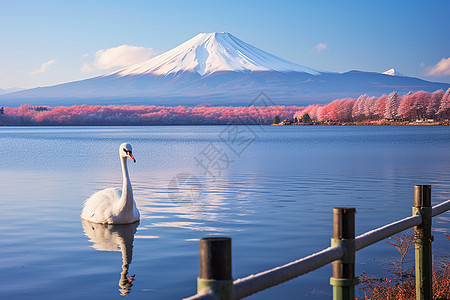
(43,68)
(320,47)
(442,68)
(120,56)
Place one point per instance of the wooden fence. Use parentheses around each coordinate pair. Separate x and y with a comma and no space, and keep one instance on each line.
(216,282)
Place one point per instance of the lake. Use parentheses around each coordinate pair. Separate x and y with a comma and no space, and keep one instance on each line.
(270,188)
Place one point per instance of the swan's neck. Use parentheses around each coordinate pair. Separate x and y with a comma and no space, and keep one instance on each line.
(127,192)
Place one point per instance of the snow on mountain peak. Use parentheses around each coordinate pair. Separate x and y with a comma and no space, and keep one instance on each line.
(393,72)
(207,53)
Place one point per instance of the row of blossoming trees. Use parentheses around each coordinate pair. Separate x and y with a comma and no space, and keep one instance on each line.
(394,106)
(142,115)
(418,105)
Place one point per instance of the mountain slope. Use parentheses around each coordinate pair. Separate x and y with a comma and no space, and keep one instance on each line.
(10,90)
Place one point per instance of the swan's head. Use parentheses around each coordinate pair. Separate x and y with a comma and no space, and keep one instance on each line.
(125,150)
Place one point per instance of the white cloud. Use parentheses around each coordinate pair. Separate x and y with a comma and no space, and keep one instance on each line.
(320,47)
(120,56)
(86,55)
(442,68)
(86,68)
(44,67)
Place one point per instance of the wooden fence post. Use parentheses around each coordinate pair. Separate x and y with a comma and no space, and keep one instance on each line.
(344,280)
(423,239)
(215,267)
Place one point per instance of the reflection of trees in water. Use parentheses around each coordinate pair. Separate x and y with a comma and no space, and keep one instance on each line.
(114,238)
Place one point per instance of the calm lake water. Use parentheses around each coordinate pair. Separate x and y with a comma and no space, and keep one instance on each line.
(271,189)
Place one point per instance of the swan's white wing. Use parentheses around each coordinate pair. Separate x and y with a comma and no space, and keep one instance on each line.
(99,208)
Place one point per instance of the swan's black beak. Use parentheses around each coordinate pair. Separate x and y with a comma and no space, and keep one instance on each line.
(131,156)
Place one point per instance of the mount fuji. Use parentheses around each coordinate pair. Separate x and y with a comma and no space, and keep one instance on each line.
(393,72)
(218,69)
(208,53)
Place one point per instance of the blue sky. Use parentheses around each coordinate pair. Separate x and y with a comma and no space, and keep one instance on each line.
(50,42)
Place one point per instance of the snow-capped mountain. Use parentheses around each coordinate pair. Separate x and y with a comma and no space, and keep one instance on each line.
(207,53)
(393,72)
(219,69)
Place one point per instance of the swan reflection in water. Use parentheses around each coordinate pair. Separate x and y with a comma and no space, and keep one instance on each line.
(114,238)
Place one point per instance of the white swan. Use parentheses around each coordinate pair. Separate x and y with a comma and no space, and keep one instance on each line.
(114,206)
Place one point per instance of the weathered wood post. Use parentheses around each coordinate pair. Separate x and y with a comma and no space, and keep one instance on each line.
(215,267)
(344,280)
(423,239)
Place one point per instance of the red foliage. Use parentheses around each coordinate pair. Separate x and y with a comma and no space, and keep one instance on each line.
(444,107)
(413,106)
(143,115)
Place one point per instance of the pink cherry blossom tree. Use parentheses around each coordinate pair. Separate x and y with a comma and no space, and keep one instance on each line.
(444,108)
(391,106)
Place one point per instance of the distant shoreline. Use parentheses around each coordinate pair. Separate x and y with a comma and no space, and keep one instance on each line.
(244,124)
(370,123)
